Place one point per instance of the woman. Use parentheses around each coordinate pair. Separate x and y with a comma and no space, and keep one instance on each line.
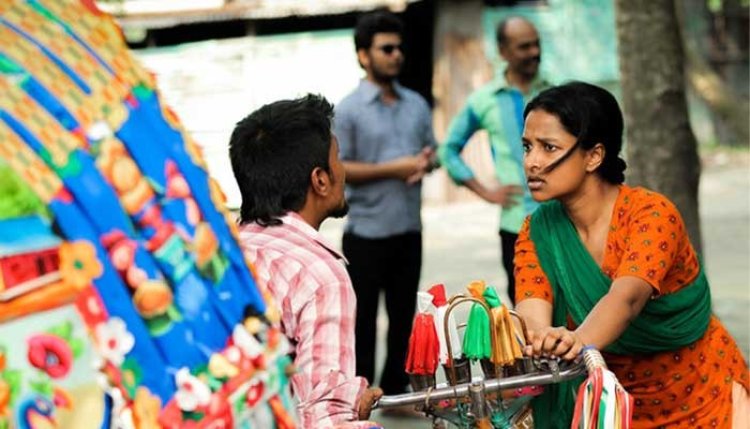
(604,264)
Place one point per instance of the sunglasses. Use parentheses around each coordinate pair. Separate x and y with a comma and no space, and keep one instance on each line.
(388,49)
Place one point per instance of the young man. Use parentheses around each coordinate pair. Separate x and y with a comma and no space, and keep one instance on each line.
(498,108)
(285,160)
(387,145)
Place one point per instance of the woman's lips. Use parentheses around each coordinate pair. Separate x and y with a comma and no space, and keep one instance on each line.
(535,184)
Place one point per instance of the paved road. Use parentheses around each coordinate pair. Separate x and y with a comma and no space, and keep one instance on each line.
(460,245)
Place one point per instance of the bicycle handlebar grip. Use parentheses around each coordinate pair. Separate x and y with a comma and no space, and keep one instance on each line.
(593,359)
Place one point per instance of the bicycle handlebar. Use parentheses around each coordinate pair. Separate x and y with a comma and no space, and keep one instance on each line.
(431,396)
(591,359)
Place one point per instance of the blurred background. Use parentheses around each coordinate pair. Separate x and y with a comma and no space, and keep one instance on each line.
(217,60)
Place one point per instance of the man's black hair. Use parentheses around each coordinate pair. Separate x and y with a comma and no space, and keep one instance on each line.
(371,23)
(274,151)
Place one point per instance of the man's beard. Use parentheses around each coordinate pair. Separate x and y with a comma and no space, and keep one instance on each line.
(340,211)
(530,63)
(382,77)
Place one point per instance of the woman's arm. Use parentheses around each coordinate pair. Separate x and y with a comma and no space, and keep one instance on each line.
(604,324)
(537,313)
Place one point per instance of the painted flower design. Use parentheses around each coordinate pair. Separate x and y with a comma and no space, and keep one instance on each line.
(254,393)
(152,298)
(4,397)
(247,343)
(50,354)
(177,186)
(205,243)
(221,367)
(99,130)
(62,398)
(79,264)
(146,409)
(122,253)
(191,391)
(134,276)
(113,340)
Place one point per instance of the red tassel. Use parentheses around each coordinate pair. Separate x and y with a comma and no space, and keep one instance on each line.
(423,346)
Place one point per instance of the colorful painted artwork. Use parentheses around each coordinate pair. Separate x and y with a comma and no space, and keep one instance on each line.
(126,298)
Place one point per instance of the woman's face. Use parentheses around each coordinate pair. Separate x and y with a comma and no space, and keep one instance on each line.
(545,141)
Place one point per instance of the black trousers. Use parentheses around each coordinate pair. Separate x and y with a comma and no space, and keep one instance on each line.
(507,251)
(391,265)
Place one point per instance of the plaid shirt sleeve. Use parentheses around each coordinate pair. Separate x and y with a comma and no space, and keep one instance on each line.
(325,385)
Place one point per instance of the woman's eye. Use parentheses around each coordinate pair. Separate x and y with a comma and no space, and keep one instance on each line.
(550,148)
(526,147)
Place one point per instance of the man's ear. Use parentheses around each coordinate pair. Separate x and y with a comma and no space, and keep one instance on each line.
(320,181)
(363,58)
(595,157)
(502,50)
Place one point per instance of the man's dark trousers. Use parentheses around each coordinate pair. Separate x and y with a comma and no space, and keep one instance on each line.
(507,251)
(391,265)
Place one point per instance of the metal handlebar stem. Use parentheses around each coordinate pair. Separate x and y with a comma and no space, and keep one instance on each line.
(461,391)
(592,359)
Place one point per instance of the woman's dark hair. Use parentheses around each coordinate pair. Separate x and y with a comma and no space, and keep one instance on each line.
(592,115)
(369,24)
(273,152)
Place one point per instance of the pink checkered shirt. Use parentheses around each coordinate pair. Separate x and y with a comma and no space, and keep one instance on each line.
(308,280)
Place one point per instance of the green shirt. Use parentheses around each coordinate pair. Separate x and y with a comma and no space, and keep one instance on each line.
(497,108)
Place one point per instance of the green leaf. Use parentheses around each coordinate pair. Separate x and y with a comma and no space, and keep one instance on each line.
(14,378)
(174,313)
(132,374)
(16,197)
(193,415)
(215,383)
(159,325)
(43,387)
(77,346)
(63,330)
(201,369)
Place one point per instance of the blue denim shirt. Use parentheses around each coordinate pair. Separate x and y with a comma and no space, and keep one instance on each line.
(372,132)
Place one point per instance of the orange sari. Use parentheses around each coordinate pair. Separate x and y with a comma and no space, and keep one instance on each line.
(691,386)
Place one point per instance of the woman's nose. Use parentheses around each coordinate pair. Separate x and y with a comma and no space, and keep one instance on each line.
(531,160)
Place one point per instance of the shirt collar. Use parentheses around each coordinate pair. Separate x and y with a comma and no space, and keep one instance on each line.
(295,220)
(500,83)
(371,92)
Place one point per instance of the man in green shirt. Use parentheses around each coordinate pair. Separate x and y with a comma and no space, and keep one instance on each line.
(498,108)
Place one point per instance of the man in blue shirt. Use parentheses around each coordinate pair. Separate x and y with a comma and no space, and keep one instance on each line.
(387,145)
(498,108)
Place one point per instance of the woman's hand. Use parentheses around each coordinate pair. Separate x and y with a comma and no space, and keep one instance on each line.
(555,341)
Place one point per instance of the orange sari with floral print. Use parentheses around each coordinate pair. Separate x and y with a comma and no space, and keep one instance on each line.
(690,386)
